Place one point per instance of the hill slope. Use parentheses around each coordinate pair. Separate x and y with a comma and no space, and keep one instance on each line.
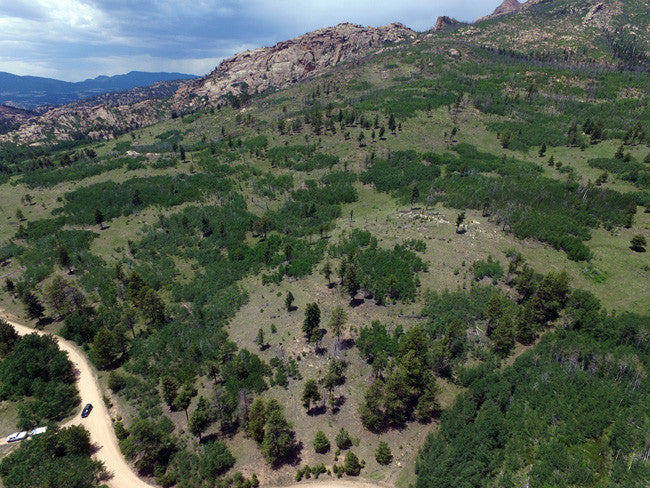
(430,238)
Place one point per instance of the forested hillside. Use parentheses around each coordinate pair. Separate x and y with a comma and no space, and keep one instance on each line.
(424,267)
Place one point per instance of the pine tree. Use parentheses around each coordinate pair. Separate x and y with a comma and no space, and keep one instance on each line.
(288,301)
(321,442)
(351,465)
(104,349)
(383,454)
(278,436)
(312,321)
(169,387)
(337,322)
(310,394)
(256,420)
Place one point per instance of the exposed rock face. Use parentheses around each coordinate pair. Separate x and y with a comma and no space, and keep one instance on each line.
(279,66)
(14,115)
(445,23)
(506,8)
(288,62)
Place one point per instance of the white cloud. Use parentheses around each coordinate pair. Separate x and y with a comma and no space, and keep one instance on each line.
(77,39)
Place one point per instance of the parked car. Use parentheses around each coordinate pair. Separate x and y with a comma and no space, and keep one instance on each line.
(38,430)
(86,411)
(17,436)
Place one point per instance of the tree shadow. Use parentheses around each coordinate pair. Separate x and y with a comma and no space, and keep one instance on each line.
(355,302)
(346,344)
(331,285)
(292,458)
(337,403)
(264,347)
(44,322)
(292,308)
(637,248)
(229,429)
(319,410)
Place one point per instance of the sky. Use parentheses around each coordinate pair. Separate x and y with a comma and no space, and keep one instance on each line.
(73,40)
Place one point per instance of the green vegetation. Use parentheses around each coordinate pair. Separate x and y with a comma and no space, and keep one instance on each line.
(412,243)
(55,458)
(35,372)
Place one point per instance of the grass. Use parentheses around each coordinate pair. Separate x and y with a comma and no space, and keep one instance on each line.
(616,275)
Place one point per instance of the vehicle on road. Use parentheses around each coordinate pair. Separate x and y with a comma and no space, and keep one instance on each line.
(86,411)
(17,436)
(38,430)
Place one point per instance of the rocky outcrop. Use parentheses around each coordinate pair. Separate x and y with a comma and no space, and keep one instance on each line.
(506,8)
(445,23)
(288,62)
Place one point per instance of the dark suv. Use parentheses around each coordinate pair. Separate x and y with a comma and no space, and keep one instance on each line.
(86,411)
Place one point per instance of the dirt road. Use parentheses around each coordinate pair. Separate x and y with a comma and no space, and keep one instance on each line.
(98,423)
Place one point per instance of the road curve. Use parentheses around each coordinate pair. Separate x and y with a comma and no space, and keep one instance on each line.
(98,423)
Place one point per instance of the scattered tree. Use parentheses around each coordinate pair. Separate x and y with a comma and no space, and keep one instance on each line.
(638,243)
(311,323)
(383,454)
(288,301)
(351,465)
(321,442)
(310,394)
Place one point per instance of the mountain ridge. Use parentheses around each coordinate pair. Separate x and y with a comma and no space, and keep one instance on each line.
(30,92)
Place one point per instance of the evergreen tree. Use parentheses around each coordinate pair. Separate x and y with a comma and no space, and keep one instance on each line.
(503,336)
(198,422)
(312,321)
(459,221)
(343,440)
(351,465)
(327,272)
(383,454)
(259,340)
(183,399)
(310,394)
(278,436)
(337,322)
(638,243)
(525,326)
(35,309)
(169,388)
(99,218)
(415,194)
(288,301)
(8,338)
(321,442)
(64,258)
(104,349)
(256,420)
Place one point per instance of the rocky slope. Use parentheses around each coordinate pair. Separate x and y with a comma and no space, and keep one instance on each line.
(507,7)
(445,24)
(279,66)
(288,62)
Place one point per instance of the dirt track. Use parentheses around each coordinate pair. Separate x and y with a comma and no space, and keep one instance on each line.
(98,423)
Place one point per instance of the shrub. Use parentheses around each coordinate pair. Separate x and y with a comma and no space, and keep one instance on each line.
(490,268)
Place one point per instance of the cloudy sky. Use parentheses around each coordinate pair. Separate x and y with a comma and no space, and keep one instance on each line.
(77,39)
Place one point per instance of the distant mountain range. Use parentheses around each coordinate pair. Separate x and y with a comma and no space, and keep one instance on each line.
(29,92)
